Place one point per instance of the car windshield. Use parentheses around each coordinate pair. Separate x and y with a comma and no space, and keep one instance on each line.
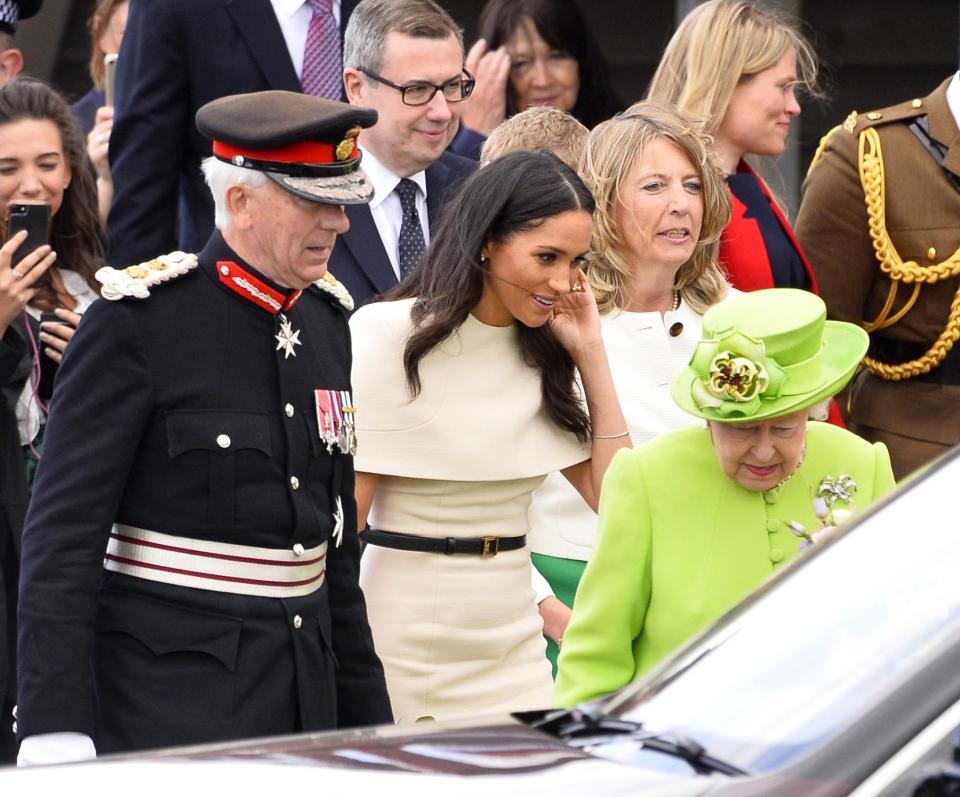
(788,671)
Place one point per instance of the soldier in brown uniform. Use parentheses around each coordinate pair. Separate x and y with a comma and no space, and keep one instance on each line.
(880,223)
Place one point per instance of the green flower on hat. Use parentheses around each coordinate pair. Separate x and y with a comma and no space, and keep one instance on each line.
(736,378)
(735,375)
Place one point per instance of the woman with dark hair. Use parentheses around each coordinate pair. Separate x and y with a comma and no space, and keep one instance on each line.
(465,399)
(554,61)
(41,162)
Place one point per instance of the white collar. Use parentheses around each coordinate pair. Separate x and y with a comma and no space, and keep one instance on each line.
(288,8)
(385,181)
(953,97)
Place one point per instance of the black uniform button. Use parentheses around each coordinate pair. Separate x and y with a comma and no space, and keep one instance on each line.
(297,621)
(294,483)
(223,440)
(288,410)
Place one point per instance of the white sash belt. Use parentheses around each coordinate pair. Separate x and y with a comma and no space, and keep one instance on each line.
(218,566)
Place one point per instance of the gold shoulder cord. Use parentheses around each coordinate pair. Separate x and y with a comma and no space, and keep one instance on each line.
(872,180)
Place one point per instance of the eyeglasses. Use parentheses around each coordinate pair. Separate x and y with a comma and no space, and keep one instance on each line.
(421,92)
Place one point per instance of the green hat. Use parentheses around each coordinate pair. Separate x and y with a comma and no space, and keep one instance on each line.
(765,354)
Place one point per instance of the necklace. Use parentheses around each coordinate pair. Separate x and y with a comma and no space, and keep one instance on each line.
(676,301)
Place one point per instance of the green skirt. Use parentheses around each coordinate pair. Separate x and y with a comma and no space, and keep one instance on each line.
(563,576)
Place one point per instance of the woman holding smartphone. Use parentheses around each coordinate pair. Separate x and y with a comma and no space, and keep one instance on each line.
(41,163)
(94,110)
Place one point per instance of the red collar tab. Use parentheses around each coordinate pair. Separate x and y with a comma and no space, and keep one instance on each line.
(253,289)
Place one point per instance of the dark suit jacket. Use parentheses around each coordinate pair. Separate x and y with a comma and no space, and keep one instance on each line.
(359,260)
(176,56)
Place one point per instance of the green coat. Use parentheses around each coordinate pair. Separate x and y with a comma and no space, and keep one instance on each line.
(679,543)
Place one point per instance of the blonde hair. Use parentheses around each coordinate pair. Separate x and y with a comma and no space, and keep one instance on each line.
(548,129)
(612,149)
(720,44)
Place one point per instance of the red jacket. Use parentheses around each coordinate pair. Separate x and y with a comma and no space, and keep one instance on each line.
(743,254)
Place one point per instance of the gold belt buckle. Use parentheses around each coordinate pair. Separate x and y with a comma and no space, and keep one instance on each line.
(491,547)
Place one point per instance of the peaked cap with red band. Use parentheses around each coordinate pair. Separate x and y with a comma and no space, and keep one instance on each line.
(306,145)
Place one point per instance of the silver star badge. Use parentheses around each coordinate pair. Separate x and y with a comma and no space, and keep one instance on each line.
(287,338)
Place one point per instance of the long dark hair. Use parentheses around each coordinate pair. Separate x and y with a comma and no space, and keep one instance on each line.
(561,24)
(76,227)
(512,194)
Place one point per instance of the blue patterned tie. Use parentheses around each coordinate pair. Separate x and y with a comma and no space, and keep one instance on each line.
(411,245)
(322,73)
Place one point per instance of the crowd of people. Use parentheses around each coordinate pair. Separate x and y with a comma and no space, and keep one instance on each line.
(360,377)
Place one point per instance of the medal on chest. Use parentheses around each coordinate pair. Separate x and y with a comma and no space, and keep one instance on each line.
(335,417)
(287,338)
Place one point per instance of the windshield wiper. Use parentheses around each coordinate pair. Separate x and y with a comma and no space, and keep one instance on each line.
(587,722)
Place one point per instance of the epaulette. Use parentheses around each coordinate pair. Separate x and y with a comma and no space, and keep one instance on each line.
(895,113)
(136,281)
(330,284)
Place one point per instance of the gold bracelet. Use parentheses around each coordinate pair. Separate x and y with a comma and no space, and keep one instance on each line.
(610,436)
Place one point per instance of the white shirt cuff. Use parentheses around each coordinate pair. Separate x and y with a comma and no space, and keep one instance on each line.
(541,586)
(55,748)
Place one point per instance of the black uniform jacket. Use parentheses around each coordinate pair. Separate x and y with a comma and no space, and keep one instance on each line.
(145,390)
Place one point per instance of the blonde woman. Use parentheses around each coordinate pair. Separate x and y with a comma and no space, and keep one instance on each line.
(739,67)
(661,207)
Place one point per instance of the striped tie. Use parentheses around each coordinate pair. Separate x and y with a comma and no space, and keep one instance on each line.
(322,67)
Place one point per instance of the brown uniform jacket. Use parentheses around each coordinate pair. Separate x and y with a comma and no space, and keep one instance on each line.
(917,418)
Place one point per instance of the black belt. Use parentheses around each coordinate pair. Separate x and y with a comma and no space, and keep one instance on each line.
(894,352)
(485,547)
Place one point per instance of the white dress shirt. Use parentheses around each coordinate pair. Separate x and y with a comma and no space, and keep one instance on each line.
(294,18)
(385,206)
(953,97)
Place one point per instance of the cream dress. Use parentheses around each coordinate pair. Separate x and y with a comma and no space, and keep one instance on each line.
(458,635)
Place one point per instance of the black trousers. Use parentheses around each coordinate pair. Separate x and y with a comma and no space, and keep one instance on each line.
(174,665)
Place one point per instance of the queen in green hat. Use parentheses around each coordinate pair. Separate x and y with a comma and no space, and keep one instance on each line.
(693,521)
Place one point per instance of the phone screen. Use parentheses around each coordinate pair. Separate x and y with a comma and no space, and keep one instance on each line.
(35,219)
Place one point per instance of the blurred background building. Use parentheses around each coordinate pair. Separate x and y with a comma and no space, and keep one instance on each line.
(875,53)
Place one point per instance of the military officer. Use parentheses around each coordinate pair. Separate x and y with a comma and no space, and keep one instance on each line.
(880,223)
(190,558)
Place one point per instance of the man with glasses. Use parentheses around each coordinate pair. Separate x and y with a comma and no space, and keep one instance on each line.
(403,58)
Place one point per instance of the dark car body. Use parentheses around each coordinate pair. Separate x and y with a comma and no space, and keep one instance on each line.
(839,676)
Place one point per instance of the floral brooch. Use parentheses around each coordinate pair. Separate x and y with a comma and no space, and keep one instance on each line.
(735,375)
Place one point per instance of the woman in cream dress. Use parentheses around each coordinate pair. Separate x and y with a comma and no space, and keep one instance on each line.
(465,399)
(661,207)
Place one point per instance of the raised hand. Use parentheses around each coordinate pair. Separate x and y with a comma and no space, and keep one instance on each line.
(16,283)
(576,320)
(487,106)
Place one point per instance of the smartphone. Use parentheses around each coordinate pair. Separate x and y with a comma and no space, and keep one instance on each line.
(109,77)
(35,219)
